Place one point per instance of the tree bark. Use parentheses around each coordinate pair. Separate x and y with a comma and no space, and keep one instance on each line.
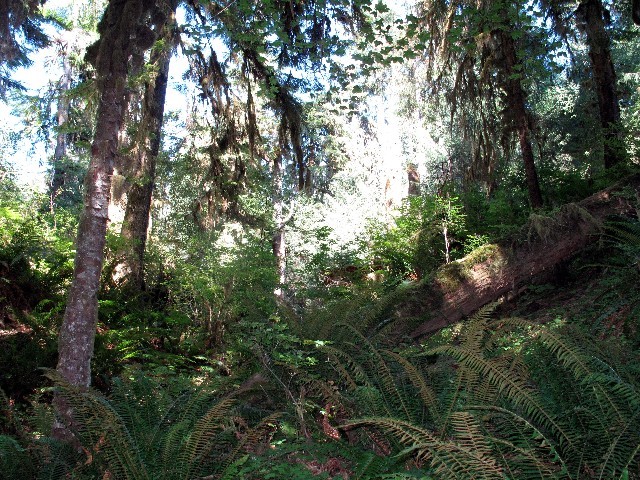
(136,217)
(77,333)
(413,177)
(518,111)
(462,287)
(279,244)
(591,12)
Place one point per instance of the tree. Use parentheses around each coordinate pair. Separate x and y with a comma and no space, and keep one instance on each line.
(472,52)
(591,18)
(303,41)
(461,288)
(143,159)
(73,114)
(18,18)
(126,30)
(591,14)
(110,56)
(504,49)
(58,177)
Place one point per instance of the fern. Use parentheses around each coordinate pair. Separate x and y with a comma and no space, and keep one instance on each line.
(141,433)
(514,389)
(448,459)
(385,379)
(14,459)
(417,378)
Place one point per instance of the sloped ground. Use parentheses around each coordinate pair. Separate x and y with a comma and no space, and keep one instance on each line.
(598,291)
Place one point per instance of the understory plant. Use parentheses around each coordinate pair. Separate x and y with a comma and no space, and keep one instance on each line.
(503,398)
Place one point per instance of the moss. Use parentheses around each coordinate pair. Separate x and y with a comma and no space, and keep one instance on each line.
(452,275)
(548,228)
(481,254)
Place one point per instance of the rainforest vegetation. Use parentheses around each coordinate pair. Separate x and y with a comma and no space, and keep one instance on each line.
(339,239)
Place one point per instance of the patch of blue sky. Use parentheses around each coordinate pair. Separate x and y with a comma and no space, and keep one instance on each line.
(27,157)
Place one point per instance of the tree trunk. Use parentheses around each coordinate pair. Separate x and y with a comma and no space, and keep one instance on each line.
(77,333)
(518,112)
(59,175)
(463,286)
(279,243)
(413,177)
(136,217)
(591,14)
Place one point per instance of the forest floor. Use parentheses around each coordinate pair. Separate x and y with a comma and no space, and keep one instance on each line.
(587,291)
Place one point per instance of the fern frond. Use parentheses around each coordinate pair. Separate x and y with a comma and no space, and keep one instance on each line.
(350,371)
(417,378)
(579,364)
(383,373)
(514,389)
(407,433)
(467,432)
(527,439)
(101,429)
(621,452)
(474,329)
(626,232)
(14,459)
(249,442)
(523,464)
(201,437)
(450,460)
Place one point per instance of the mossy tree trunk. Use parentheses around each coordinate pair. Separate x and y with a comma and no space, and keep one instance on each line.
(111,58)
(517,111)
(135,225)
(592,14)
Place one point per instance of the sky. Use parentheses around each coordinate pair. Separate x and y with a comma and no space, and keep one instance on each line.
(31,158)
(29,162)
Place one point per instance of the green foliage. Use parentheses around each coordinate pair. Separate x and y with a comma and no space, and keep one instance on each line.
(498,398)
(36,258)
(489,399)
(302,461)
(144,429)
(428,231)
(36,261)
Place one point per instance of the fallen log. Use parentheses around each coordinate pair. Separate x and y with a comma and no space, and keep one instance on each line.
(460,288)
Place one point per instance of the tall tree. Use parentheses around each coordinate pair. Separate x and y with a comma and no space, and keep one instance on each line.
(123,32)
(473,51)
(143,159)
(504,49)
(59,173)
(298,36)
(591,18)
(591,14)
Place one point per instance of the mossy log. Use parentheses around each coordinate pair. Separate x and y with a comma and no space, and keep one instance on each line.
(490,272)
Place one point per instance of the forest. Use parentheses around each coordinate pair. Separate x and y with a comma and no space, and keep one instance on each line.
(333,239)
